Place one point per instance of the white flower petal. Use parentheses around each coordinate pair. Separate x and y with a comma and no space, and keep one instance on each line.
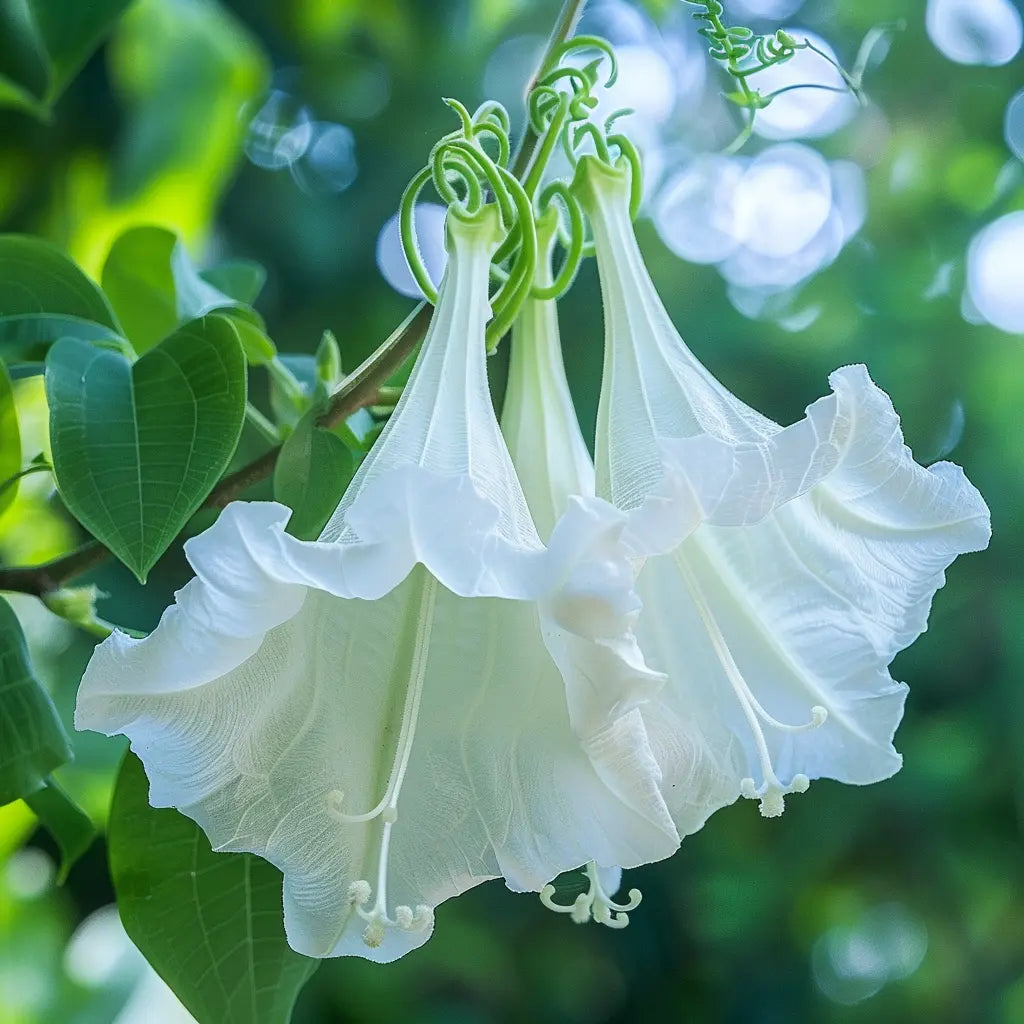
(607,681)
(786,567)
(538,418)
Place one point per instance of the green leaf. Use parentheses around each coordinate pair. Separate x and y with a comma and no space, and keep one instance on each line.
(31,332)
(32,740)
(43,44)
(311,475)
(36,277)
(211,924)
(137,447)
(154,287)
(70,32)
(259,349)
(10,441)
(65,821)
(241,279)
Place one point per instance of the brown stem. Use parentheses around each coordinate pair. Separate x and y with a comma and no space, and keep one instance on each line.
(359,389)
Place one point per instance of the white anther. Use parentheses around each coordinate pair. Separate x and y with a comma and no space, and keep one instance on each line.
(772,794)
(403,917)
(373,933)
(359,892)
(594,904)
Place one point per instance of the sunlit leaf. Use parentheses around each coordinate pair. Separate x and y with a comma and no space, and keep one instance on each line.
(32,740)
(184,71)
(137,447)
(310,476)
(211,924)
(154,287)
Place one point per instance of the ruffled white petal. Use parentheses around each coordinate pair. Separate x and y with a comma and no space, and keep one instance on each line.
(786,566)
(498,781)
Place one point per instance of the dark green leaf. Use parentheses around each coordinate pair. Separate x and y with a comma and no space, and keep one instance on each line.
(34,332)
(241,279)
(211,924)
(32,740)
(70,32)
(311,475)
(36,277)
(43,43)
(137,447)
(65,821)
(10,441)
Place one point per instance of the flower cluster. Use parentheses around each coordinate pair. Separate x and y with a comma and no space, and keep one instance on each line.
(498,662)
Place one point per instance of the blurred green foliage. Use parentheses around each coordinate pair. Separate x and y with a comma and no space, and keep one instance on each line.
(904,901)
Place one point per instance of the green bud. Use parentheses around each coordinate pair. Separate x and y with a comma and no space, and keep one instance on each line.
(328,361)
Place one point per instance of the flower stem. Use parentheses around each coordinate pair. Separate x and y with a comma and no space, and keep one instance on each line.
(358,390)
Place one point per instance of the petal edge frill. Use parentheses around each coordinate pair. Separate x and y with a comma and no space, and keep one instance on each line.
(805,609)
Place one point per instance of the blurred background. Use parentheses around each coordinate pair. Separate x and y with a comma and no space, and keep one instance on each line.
(890,233)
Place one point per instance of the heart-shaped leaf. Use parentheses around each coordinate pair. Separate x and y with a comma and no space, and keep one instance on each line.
(210,923)
(137,447)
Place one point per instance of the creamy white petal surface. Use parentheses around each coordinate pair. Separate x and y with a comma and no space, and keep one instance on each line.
(424,698)
(786,566)
(551,458)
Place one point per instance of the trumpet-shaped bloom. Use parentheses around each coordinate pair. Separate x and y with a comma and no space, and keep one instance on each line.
(425,697)
(554,465)
(785,567)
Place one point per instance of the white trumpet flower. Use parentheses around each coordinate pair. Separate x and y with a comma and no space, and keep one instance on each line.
(425,697)
(554,465)
(785,567)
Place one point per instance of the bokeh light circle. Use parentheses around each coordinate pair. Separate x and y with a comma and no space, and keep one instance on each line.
(429,220)
(987,32)
(1013,125)
(995,273)
(695,214)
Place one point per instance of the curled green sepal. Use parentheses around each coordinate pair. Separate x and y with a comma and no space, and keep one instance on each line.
(514,291)
(585,43)
(572,238)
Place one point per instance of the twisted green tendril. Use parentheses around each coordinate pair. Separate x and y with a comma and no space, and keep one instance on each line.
(466,177)
(468,168)
(744,54)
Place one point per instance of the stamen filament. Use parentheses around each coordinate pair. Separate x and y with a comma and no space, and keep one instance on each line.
(360,892)
(388,804)
(771,792)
